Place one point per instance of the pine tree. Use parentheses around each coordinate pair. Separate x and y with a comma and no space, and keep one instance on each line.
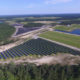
(2,77)
(10,76)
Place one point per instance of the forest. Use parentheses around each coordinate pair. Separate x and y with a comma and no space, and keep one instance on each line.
(6,32)
(43,72)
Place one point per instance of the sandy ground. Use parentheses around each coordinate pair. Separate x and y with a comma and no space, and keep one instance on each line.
(11,45)
(6,47)
(62,59)
(45,22)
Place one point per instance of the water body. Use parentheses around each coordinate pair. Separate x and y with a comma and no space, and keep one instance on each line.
(75,31)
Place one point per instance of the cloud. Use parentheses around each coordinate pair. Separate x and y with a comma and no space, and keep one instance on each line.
(56,1)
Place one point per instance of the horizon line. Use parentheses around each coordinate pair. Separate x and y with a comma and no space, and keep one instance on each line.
(36,14)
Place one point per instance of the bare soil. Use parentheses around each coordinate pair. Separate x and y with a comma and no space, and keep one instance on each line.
(45,22)
(62,59)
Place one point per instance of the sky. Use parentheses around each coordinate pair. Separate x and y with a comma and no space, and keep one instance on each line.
(19,7)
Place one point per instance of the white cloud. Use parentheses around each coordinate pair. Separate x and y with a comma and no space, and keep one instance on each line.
(56,1)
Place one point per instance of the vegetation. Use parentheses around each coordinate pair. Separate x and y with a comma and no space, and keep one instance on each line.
(64,19)
(38,19)
(5,33)
(70,22)
(43,72)
(35,47)
(24,23)
(68,28)
(63,38)
(28,25)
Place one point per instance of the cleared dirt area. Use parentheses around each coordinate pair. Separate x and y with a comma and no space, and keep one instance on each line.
(45,22)
(62,59)
(21,40)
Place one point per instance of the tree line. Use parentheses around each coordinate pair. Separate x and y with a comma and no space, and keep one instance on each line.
(43,72)
(30,25)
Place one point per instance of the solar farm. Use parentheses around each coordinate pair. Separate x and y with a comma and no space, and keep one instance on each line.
(37,47)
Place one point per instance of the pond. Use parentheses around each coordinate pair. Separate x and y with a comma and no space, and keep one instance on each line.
(75,31)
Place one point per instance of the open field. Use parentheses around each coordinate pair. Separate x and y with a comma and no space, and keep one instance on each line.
(45,22)
(10,22)
(25,22)
(68,28)
(63,38)
(5,33)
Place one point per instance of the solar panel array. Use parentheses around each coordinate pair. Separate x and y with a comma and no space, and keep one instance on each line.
(38,47)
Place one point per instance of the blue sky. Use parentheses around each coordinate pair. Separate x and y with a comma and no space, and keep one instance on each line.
(14,7)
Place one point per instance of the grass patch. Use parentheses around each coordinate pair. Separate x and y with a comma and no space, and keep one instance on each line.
(25,22)
(66,28)
(63,38)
